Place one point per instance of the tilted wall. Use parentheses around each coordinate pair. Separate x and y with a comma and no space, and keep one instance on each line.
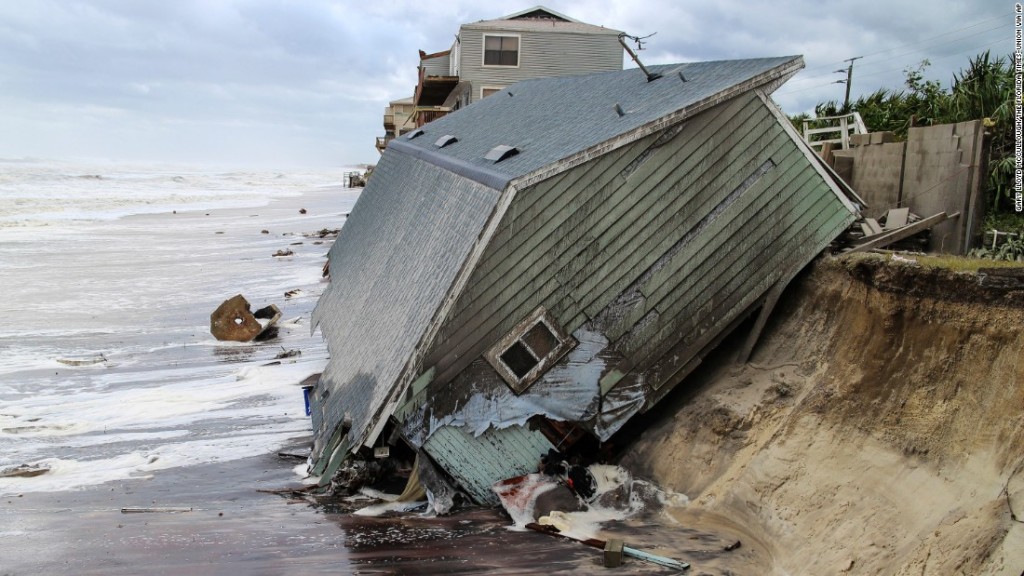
(659,245)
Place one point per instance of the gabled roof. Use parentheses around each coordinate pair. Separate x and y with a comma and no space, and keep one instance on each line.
(539,13)
(539,18)
(558,118)
(541,26)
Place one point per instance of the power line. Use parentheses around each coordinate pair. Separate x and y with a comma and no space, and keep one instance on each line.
(1006,19)
(960,54)
(874,63)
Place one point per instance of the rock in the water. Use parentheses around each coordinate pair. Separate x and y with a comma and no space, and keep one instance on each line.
(233,321)
(24,471)
(267,312)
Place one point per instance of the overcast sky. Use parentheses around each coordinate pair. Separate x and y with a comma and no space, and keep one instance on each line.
(283,83)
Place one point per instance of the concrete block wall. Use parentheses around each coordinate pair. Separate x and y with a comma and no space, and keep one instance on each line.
(876,174)
(941,168)
(936,170)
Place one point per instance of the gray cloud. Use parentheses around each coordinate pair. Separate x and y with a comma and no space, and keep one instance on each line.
(279,83)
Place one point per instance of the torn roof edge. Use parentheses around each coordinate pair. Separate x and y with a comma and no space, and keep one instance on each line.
(479,174)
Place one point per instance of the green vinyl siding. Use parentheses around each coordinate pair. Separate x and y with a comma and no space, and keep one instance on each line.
(477,462)
(573,243)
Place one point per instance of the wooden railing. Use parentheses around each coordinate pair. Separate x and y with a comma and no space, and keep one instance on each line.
(844,125)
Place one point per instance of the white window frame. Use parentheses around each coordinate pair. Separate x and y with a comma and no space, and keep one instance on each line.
(495,88)
(519,384)
(483,50)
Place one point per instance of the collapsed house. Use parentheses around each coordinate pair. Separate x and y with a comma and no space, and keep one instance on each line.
(548,263)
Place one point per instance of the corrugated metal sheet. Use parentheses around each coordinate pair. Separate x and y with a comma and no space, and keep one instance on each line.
(477,463)
(685,231)
(391,266)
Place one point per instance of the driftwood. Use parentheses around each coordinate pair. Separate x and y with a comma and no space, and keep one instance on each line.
(164,510)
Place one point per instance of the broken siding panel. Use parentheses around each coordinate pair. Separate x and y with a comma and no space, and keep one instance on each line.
(410,233)
(477,463)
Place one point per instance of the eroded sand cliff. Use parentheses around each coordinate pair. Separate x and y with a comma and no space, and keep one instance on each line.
(878,429)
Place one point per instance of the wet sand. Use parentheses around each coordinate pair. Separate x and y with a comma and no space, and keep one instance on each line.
(235,529)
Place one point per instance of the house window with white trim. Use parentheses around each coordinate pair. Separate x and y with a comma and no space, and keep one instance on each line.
(501,50)
(529,350)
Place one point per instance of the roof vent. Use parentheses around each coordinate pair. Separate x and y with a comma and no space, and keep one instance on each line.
(445,140)
(414,133)
(501,152)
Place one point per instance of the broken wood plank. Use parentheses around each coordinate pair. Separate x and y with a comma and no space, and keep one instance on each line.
(762,318)
(897,235)
(896,218)
(613,553)
(873,226)
(154,510)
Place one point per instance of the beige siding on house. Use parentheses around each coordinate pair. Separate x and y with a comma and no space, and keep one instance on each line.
(541,54)
(439,66)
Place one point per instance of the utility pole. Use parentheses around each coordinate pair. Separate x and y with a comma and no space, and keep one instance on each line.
(848,81)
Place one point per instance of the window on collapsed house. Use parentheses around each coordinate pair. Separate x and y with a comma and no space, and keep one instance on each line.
(501,50)
(529,350)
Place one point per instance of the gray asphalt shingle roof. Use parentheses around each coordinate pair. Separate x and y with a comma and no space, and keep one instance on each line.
(550,119)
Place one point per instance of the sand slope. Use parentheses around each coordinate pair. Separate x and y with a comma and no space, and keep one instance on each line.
(879,428)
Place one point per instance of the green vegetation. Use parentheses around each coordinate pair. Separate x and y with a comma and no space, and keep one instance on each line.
(962,263)
(984,90)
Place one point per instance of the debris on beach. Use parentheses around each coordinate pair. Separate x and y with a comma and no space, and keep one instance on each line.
(24,471)
(302,210)
(291,293)
(614,549)
(233,321)
(287,354)
(285,252)
(323,233)
(574,502)
(164,510)
(99,359)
